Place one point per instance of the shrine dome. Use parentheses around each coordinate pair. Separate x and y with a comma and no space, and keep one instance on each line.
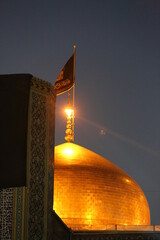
(90,192)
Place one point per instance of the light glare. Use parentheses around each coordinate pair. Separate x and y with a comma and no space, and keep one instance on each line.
(68,151)
(69,111)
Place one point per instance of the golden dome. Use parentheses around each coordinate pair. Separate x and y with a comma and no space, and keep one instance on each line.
(90,192)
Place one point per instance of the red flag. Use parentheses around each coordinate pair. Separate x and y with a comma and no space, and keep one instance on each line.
(65,80)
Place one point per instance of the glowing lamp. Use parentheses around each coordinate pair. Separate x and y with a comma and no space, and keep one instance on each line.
(69,112)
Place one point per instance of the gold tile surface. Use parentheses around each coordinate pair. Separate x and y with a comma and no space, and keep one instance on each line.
(90,192)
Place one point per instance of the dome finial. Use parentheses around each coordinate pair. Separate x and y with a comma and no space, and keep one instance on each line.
(70,114)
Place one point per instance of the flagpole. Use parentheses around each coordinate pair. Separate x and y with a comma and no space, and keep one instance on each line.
(73,89)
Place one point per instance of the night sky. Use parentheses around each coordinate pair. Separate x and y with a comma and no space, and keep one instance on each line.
(117,74)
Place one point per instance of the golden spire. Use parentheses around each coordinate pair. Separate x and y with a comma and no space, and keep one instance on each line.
(70,111)
(70,114)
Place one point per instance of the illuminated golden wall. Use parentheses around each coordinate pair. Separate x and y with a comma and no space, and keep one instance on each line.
(90,192)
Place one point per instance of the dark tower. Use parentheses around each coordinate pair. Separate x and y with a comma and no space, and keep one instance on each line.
(27,152)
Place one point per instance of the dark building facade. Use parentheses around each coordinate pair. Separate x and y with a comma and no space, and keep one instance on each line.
(27,152)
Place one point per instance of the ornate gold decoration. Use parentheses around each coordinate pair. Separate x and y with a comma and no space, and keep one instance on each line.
(40,160)
(70,117)
(12,213)
(6,213)
(69,135)
(42,85)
